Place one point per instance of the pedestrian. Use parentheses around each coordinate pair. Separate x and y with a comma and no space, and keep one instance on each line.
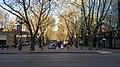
(2,47)
(54,46)
(41,46)
(68,46)
(81,43)
(97,44)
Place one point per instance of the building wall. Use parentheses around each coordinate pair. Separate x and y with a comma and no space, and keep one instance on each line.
(2,37)
(10,40)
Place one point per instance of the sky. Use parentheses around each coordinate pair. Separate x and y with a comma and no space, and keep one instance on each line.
(12,18)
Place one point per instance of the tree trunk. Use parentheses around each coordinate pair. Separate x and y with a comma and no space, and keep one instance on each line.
(32,43)
(110,39)
(71,41)
(41,42)
(90,40)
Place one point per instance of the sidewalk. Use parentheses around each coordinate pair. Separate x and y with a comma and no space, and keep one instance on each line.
(73,49)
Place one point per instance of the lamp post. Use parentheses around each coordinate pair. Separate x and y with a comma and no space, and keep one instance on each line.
(101,39)
(20,30)
(103,35)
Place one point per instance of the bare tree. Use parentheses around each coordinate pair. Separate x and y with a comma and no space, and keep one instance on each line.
(94,13)
(23,9)
(4,18)
(69,21)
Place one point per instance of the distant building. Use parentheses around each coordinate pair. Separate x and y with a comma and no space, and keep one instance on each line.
(1,25)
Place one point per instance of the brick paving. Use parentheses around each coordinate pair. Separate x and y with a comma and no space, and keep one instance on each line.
(59,50)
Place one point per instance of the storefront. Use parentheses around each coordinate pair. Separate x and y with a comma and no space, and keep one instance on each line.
(9,38)
(6,40)
(109,39)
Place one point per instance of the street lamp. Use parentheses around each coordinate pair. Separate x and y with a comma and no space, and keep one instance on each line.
(19,28)
(101,30)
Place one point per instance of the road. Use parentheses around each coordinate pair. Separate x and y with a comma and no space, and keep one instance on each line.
(60,60)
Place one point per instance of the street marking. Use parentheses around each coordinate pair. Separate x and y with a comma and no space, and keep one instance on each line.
(104,52)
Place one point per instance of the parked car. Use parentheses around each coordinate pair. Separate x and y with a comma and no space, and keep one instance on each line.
(52,46)
(14,46)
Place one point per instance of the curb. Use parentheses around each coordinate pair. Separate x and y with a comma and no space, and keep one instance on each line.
(47,52)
